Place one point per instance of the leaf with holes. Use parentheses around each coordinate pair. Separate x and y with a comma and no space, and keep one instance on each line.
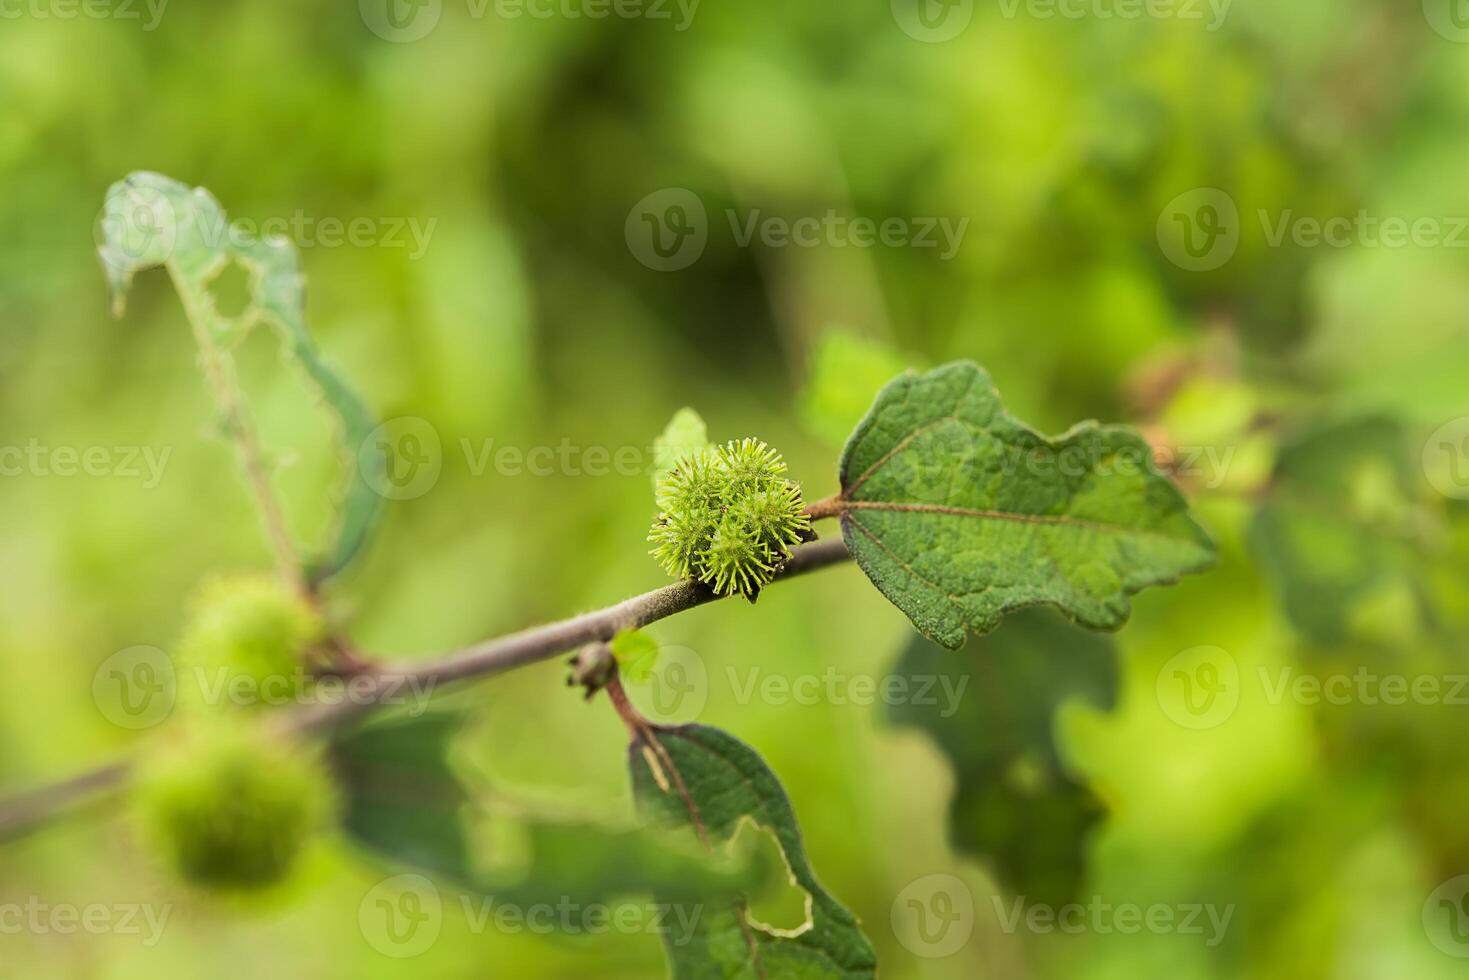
(702,777)
(150,220)
(959,513)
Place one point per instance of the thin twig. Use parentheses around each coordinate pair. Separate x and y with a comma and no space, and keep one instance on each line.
(22,812)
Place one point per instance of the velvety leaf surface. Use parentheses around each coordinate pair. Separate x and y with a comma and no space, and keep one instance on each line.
(959,513)
(727,784)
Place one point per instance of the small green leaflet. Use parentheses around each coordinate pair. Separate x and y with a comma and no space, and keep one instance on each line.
(636,653)
(960,514)
(685,433)
(150,220)
(694,769)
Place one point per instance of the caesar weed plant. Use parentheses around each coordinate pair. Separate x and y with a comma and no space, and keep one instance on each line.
(941,501)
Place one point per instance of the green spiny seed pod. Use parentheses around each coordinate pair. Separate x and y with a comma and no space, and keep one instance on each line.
(736,560)
(231,807)
(750,465)
(775,515)
(681,537)
(250,627)
(695,483)
(729,517)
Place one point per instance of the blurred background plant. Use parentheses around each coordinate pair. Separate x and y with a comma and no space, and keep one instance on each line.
(1141,199)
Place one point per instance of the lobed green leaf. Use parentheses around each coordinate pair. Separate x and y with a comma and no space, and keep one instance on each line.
(959,513)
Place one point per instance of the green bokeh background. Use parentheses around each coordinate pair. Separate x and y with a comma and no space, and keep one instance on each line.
(528,320)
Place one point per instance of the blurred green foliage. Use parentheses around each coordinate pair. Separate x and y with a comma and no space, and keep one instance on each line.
(1298,385)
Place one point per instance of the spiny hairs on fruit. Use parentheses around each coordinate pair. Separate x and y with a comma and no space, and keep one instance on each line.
(729,517)
(251,626)
(231,807)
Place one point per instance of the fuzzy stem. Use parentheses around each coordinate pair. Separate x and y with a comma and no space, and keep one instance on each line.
(832,506)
